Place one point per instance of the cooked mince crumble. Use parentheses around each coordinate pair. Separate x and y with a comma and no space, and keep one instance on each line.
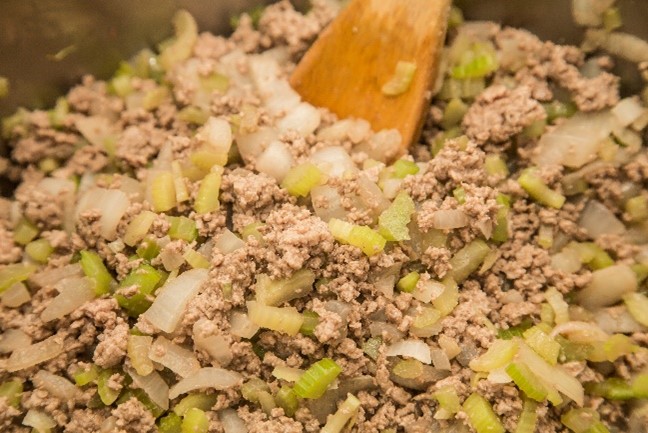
(192,248)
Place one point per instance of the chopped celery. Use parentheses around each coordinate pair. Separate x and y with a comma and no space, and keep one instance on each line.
(441,138)
(181,190)
(163,195)
(314,382)
(557,302)
(501,229)
(583,420)
(15,273)
(408,368)
(481,416)
(145,279)
(573,350)
(468,259)
(455,18)
(637,208)
(24,232)
(287,399)
(515,331)
(449,299)
(368,240)
(528,382)
(276,292)
(94,268)
(215,83)
(252,230)
(371,347)
(195,401)
(138,348)
(545,236)
(459,194)
(48,165)
(611,349)
(591,254)
(392,223)
(207,198)
(448,401)
(640,386)
(39,250)
(286,320)
(195,259)
(289,374)
(153,98)
(613,388)
(546,314)
(301,179)
(453,113)
(138,227)
(543,344)
(408,282)
(267,402)
(149,249)
(495,165)
(170,423)
(528,418)
(346,411)
(206,158)
(311,320)
(641,271)
(182,228)
(12,391)
(499,354)
(179,47)
(250,390)
(194,115)
(535,129)
(637,305)
(536,188)
(556,109)
(107,394)
(195,421)
(403,168)
(428,317)
(84,377)
(477,61)
(612,19)
(402,79)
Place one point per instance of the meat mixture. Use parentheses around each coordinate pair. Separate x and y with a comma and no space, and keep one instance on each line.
(192,248)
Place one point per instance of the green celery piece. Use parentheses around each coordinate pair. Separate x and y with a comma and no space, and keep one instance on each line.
(556,109)
(147,279)
(368,240)
(314,382)
(195,421)
(276,292)
(501,230)
(183,228)
(12,391)
(613,388)
(287,399)
(527,381)
(15,273)
(403,168)
(39,250)
(371,347)
(515,331)
(25,232)
(143,398)
(311,320)
(468,259)
(95,269)
(478,61)
(148,249)
(215,83)
(392,223)
(250,389)
(537,190)
(542,344)
(495,165)
(481,416)
(408,282)
(84,377)
(170,423)
(528,417)
(300,180)
(107,395)
(199,401)
(640,386)
(459,194)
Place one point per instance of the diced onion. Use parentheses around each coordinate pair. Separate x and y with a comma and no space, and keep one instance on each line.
(153,385)
(73,292)
(624,45)
(15,296)
(428,290)
(598,220)
(275,160)
(440,359)
(170,304)
(583,332)
(177,359)
(216,346)
(39,420)
(618,320)
(95,129)
(303,118)
(209,377)
(112,204)
(333,160)
(231,422)
(25,357)
(217,132)
(327,203)
(251,145)
(628,110)
(608,286)
(57,386)
(355,129)
(49,277)
(416,349)
(13,339)
(449,219)
(288,374)
(55,186)
(589,13)
(385,330)
(242,326)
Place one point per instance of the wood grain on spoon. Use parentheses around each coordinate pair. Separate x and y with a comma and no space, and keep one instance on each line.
(357,54)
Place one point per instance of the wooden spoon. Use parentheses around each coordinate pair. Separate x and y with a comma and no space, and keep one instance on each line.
(357,54)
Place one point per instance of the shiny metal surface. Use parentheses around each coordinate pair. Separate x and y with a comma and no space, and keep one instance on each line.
(98,33)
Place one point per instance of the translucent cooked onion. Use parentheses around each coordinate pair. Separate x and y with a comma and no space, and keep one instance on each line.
(333,160)
(427,290)
(25,357)
(275,161)
(39,420)
(242,326)
(217,133)
(576,141)
(598,220)
(628,110)
(252,144)
(177,359)
(112,204)
(449,219)
(153,385)
(327,203)
(170,304)
(231,422)
(209,377)
(416,349)
(567,261)
(607,287)
(383,146)
(440,359)
(355,130)
(95,129)
(386,331)
(57,386)
(49,277)
(584,332)
(216,346)
(303,118)
(13,339)
(615,320)
(73,293)
(15,296)
(55,186)
(589,13)
(624,45)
